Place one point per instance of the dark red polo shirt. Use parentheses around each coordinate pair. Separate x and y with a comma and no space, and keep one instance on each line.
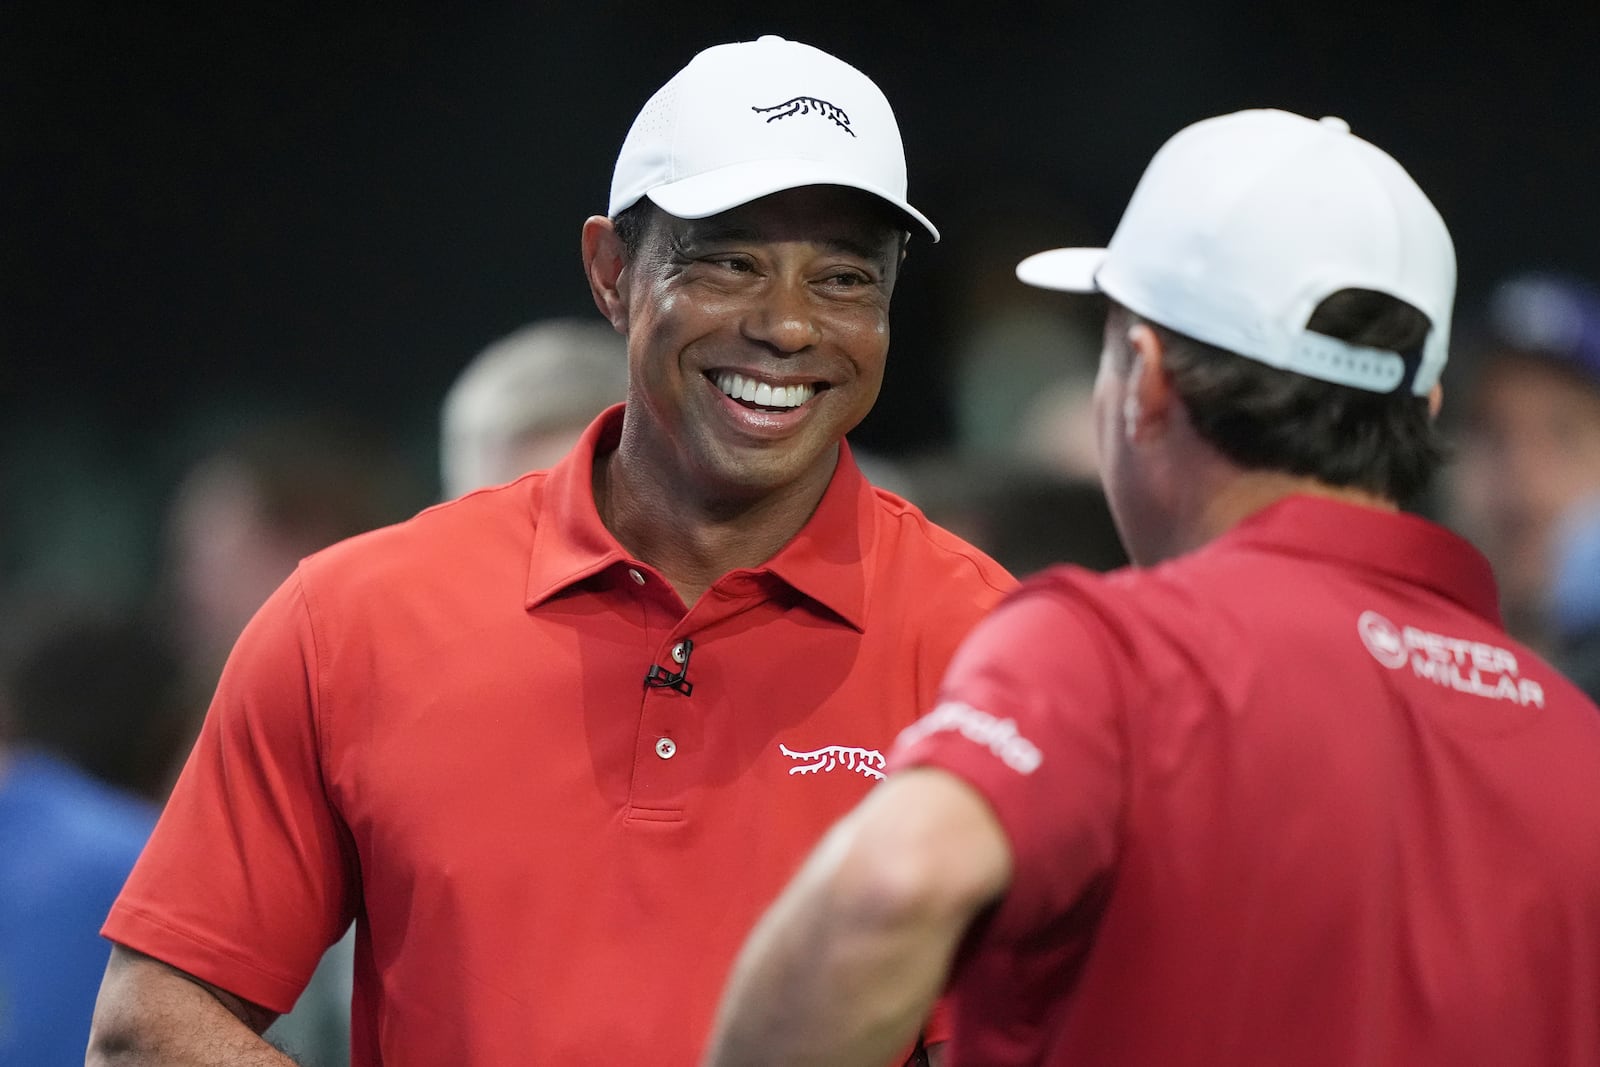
(1295,798)
(443,728)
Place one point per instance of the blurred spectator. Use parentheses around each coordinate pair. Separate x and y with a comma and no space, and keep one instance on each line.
(1056,429)
(1575,596)
(1529,442)
(89,723)
(276,490)
(1021,482)
(524,400)
(1027,516)
(99,690)
(1023,363)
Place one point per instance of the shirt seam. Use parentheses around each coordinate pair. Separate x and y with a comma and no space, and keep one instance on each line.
(317,693)
(152,919)
(967,554)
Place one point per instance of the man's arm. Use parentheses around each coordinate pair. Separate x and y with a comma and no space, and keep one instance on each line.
(151,1013)
(846,965)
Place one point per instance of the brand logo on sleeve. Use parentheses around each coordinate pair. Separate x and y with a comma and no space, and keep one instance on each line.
(999,736)
(867,762)
(1471,667)
(807,105)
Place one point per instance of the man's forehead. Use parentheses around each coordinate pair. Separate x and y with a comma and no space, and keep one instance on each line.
(827,215)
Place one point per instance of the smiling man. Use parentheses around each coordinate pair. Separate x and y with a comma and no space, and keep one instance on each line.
(554,745)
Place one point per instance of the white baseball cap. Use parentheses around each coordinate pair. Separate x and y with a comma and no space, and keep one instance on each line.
(1243,224)
(745,120)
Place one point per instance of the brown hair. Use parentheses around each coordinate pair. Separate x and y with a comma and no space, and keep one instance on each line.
(1265,418)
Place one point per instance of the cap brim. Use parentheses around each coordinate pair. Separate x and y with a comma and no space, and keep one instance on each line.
(1070,270)
(715,191)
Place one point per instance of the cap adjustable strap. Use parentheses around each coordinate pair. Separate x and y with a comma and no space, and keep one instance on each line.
(1331,360)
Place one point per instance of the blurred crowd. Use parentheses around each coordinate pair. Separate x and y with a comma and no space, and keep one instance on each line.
(100,693)
(1525,484)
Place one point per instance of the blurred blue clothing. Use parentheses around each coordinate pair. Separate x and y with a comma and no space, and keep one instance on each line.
(1575,597)
(67,843)
(1575,590)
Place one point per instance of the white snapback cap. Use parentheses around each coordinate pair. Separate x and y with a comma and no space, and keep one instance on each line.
(1244,223)
(745,120)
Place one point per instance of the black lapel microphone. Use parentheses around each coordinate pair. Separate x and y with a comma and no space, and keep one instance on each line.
(661,679)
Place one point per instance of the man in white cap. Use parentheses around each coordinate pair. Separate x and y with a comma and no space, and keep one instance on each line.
(1285,792)
(555,744)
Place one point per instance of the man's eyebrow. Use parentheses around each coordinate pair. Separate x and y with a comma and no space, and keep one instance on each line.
(869,249)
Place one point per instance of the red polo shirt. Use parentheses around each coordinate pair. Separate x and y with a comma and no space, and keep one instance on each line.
(443,729)
(1295,798)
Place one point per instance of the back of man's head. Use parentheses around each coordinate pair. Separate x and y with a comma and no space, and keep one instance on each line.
(1303,284)
(524,400)
(98,689)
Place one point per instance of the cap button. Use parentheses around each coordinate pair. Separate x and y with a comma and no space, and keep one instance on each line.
(1336,124)
(768,37)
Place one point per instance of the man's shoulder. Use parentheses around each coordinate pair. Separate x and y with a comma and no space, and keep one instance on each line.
(912,543)
(471,531)
(1220,569)
(1195,594)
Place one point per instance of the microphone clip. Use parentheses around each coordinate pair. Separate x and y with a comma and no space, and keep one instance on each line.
(657,678)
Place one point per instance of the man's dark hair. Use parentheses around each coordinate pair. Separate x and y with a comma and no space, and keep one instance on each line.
(631,223)
(1265,418)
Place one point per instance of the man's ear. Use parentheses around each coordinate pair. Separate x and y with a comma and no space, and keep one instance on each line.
(605,262)
(1435,400)
(1148,398)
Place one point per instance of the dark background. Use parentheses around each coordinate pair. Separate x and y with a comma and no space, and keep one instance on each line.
(336,205)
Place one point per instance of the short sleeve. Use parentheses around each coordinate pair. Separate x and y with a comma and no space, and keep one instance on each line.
(1029,716)
(249,874)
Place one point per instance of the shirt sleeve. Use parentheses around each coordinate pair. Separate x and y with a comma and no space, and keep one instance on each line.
(249,875)
(1029,716)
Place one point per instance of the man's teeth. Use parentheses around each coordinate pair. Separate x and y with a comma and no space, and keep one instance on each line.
(762,394)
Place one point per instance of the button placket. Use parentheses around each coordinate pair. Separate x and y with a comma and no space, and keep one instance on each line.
(666,690)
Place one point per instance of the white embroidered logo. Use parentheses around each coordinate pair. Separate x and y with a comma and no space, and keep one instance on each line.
(868,762)
(999,736)
(1470,667)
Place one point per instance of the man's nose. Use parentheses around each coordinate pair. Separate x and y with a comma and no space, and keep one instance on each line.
(784,318)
